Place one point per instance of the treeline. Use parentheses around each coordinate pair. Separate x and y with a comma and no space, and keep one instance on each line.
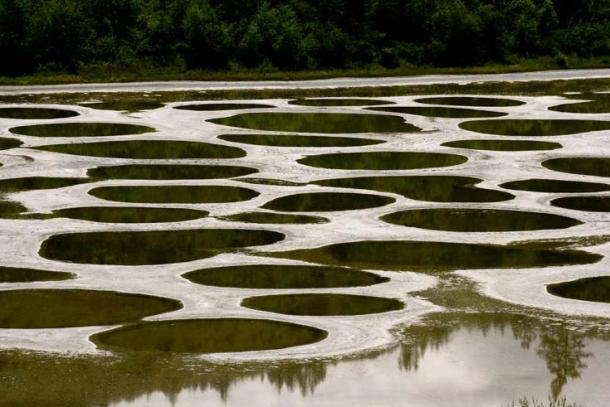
(65,35)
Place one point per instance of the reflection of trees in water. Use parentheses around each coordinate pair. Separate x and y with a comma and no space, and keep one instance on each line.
(564,353)
(47,379)
(43,378)
(562,349)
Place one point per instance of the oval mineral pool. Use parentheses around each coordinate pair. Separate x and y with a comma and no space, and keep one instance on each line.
(130,214)
(534,127)
(288,140)
(209,107)
(147,149)
(470,101)
(596,289)
(429,256)
(283,277)
(32,183)
(322,304)
(382,160)
(437,111)
(478,220)
(151,247)
(327,202)
(503,145)
(7,143)
(584,203)
(433,188)
(35,113)
(169,171)
(24,275)
(319,122)
(208,336)
(592,107)
(126,105)
(194,194)
(81,129)
(597,166)
(339,102)
(60,308)
(274,218)
(555,186)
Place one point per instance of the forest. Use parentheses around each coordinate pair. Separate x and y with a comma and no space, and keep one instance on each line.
(67,35)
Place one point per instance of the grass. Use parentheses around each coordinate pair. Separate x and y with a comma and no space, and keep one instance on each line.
(118,73)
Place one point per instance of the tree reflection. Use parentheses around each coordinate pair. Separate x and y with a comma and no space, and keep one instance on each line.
(563,350)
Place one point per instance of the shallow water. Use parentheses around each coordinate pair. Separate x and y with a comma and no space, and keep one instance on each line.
(147,149)
(151,247)
(319,122)
(81,129)
(360,290)
(382,160)
(534,128)
(472,357)
(478,220)
(281,277)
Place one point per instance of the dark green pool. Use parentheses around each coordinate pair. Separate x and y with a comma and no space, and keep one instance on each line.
(81,129)
(288,140)
(327,202)
(434,188)
(147,149)
(208,336)
(319,122)
(169,171)
(429,256)
(322,304)
(151,247)
(58,308)
(534,127)
(479,220)
(174,194)
(382,160)
(283,276)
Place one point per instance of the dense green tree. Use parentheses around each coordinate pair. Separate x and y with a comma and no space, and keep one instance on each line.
(64,35)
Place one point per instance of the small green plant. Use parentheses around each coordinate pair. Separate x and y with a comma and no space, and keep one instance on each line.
(551,402)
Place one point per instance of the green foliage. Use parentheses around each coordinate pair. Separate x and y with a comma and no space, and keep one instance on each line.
(72,35)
